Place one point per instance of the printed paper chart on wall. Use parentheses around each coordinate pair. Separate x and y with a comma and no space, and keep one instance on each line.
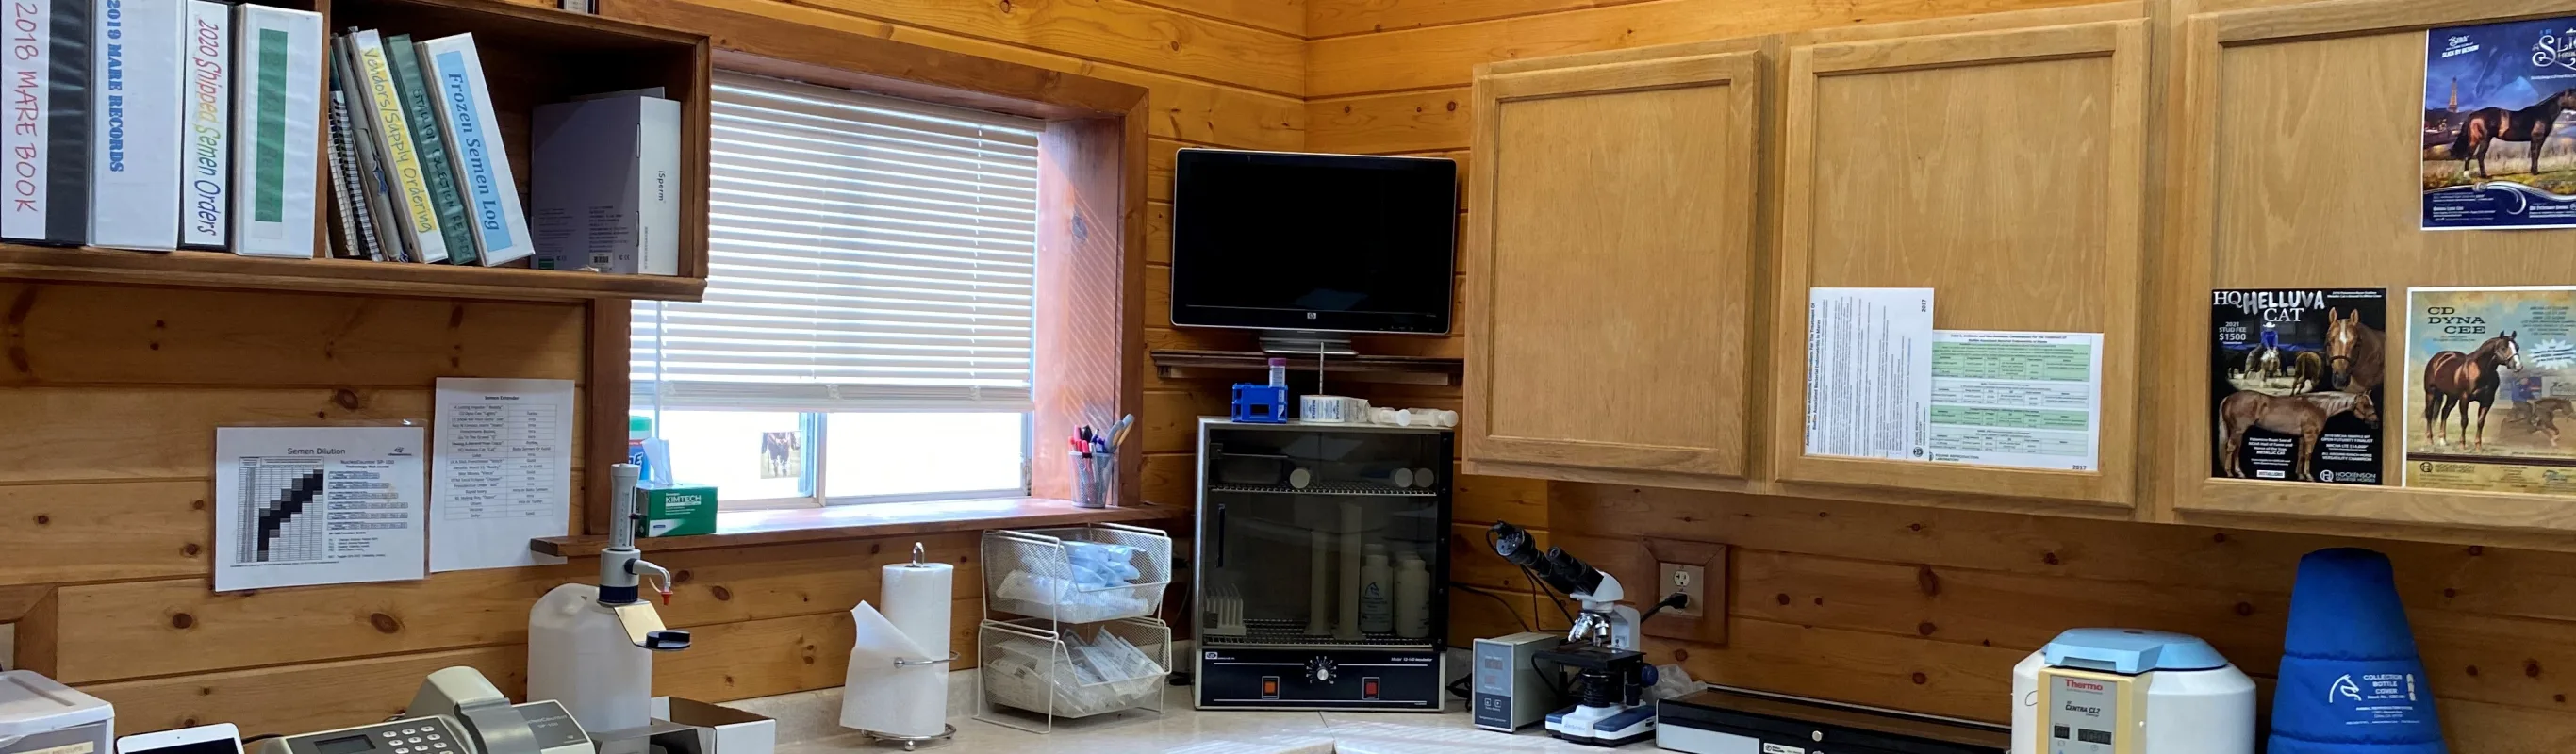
(298,506)
(2491,373)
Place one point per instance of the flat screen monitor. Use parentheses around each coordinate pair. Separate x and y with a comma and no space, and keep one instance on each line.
(1313,242)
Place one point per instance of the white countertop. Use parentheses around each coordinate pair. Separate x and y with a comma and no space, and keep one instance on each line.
(1181,730)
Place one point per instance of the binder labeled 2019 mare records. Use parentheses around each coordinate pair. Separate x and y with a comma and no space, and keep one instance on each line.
(46,145)
(141,53)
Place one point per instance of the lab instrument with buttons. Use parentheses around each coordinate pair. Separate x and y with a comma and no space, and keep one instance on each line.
(437,734)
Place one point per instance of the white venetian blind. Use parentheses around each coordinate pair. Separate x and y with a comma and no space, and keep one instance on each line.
(865,253)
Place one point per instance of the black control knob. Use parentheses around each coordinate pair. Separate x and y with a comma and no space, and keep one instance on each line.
(1322,670)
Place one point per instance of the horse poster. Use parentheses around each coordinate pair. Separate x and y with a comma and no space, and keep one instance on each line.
(2295,383)
(2490,373)
(2492,101)
(2494,155)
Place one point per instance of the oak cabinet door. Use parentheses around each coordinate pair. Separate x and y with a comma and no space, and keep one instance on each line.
(2001,169)
(1611,236)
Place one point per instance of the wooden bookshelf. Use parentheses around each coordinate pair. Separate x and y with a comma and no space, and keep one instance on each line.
(531,56)
(206,269)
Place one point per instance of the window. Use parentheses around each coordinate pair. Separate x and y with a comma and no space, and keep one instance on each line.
(866,332)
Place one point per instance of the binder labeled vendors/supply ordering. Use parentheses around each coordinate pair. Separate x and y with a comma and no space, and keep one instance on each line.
(416,215)
(46,145)
(140,51)
(277,130)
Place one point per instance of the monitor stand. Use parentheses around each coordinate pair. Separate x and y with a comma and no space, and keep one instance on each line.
(1307,343)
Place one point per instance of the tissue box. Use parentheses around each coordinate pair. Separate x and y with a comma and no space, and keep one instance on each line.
(721,730)
(675,511)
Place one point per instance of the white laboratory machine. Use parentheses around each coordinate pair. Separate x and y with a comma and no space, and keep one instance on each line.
(2127,691)
(39,715)
(591,646)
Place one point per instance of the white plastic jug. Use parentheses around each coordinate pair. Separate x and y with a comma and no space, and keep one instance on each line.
(578,654)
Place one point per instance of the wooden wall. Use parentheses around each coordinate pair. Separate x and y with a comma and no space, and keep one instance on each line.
(1911,608)
(108,399)
(1927,609)
(1391,77)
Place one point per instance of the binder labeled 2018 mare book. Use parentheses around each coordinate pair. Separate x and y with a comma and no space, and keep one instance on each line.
(206,185)
(277,126)
(46,144)
(140,51)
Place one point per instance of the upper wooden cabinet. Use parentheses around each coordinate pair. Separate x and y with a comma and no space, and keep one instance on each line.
(1610,257)
(2293,165)
(2001,169)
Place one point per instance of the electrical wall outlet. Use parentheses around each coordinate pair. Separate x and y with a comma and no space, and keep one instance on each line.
(1689,580)
(1696,569)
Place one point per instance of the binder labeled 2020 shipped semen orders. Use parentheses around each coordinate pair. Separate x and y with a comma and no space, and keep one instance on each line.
(46,146)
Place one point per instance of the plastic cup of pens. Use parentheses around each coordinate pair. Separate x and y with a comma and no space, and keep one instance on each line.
(1095,478)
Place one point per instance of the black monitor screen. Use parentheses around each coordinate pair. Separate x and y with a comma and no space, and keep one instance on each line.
(1313,242)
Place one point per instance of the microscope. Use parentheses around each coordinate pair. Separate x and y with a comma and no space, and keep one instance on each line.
(1612,675)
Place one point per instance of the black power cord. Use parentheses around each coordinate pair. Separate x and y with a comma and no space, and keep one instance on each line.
(1676,599)
(1507,604)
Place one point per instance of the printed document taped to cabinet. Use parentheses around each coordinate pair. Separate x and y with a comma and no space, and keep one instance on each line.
(504,472)
(299,506)
(1869,376)
(2023,399)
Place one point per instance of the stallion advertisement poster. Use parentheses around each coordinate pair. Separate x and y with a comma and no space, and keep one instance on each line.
(2295,383)
(2492,97)
(2490,372)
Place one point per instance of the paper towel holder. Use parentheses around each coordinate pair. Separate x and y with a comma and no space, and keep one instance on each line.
(900,662)
(920,559)
(945,732)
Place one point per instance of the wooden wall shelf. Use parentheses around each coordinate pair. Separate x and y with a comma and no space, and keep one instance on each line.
(202,269)
(1409,370)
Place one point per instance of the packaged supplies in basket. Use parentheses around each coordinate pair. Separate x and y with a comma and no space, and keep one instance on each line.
(1097,591)
(1104,674)
(1097,565)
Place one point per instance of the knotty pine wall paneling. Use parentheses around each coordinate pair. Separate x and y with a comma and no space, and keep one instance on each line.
(108,398)
(1927,609)
(1392,76)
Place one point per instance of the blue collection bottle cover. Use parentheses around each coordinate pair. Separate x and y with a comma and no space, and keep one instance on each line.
(2351,681)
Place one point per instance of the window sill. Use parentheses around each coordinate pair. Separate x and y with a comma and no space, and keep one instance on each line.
(746,528)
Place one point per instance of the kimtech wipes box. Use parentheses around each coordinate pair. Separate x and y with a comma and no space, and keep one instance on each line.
(676,511)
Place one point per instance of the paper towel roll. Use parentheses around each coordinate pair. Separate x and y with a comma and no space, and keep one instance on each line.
(916,600)
(878,695)
(903,700)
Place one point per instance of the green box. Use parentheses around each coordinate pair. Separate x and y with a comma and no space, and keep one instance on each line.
(677,511)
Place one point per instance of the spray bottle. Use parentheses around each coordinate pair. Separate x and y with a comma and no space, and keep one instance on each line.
(590,645)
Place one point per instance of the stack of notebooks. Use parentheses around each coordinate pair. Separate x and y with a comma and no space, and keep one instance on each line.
(160,125)
(417,173)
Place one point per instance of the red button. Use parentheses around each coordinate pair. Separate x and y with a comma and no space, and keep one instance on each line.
(1369,690)
(1269,687)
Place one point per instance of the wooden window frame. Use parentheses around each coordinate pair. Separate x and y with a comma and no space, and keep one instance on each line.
(1091,240)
